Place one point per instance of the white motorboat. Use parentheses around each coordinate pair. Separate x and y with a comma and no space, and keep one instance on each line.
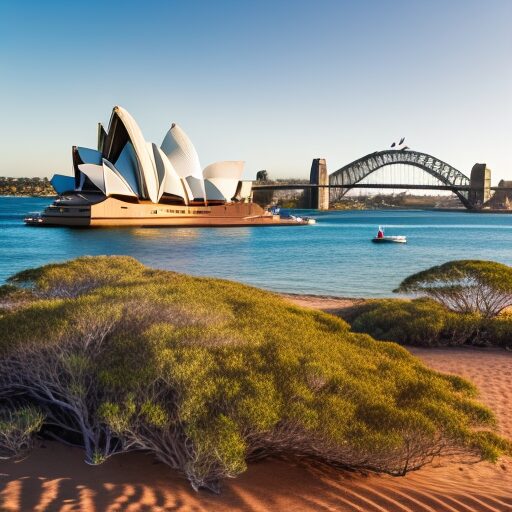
(383,239)
(390,239)
(302,220)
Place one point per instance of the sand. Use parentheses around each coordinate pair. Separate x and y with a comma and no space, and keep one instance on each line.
(54,477)
(323,302)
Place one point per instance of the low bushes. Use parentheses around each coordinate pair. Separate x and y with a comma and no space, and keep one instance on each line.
(463,303)
(425,322)
(16,428)
(465,286)
(208,374)
(497,331)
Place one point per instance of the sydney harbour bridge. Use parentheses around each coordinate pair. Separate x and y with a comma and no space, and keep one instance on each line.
(415,170)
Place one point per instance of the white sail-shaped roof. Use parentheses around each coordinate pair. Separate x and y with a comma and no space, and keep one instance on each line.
(161,168)
(181,152)
(84,156)
(245,191)
(172,183)
(114,181)
(95,173)
(212,192)
(183,156)
(146,166)
(221,179)
(229,169)
(107,179)
(196,187)
(126,164)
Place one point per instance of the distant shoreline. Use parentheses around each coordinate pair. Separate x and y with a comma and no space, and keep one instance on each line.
(394,208)
(5,196)
(424,208)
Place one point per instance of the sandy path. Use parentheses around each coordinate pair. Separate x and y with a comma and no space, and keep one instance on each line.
(55,478)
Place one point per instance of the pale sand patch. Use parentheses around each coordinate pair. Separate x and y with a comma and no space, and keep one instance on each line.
(55,477)
(323,302)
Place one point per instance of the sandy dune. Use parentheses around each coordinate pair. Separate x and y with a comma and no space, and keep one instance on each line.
(54,477)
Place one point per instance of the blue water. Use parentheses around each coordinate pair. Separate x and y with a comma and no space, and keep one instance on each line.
(333,257)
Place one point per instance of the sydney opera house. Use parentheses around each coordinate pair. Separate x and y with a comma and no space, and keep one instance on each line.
(128,181)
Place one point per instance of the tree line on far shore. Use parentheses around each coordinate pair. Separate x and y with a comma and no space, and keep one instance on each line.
(36,187)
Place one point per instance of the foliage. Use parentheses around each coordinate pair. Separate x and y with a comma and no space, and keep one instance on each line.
(12,297)
(17,426)
(37,187)
(421,322)
(208,374)
(497,331)
(465,286)
(67,280)
(425,322)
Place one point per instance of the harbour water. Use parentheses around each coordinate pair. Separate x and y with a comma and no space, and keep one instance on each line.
(333,257)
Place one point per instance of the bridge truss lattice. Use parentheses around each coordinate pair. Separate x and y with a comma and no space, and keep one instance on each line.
(350,175)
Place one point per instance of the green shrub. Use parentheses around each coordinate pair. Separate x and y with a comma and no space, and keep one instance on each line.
(207,374)
(421,322)
(427,323)
(465,286)
(12,297)
(67,280)
(17,426)
(498,331)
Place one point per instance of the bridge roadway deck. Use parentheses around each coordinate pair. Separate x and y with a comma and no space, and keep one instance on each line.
(298,186)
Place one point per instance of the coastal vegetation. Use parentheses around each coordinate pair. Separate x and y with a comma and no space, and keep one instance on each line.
(297,199)
(465,286)
(464,303)
(384,200)
(425,322)
(207,375)
(26,187)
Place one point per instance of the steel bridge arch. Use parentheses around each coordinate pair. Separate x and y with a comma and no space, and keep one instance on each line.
(351,174)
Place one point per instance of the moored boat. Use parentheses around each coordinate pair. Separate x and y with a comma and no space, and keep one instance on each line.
(390,239)
(301,220)
(383,239)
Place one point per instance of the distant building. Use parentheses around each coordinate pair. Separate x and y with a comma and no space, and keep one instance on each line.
(502,199)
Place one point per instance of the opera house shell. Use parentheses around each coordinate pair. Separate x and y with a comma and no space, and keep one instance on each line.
(128,181)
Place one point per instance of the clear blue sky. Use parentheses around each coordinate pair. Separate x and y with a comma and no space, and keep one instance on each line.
(275,83)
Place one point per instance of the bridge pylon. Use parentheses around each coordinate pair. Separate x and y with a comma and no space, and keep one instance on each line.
(479,186)
(318,197)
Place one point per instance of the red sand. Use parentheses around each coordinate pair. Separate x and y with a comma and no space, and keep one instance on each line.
(54,477)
